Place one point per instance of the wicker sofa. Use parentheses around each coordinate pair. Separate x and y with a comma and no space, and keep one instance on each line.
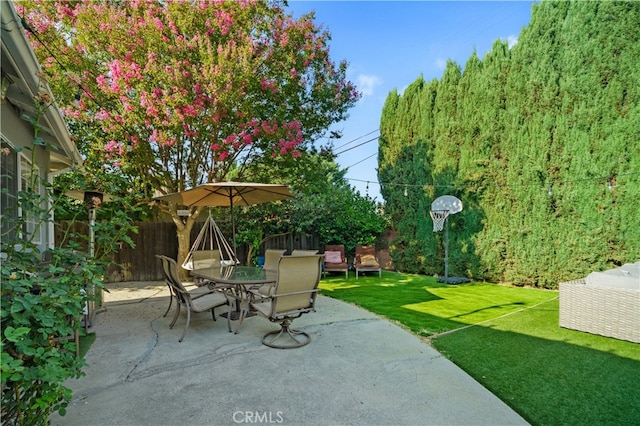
(605,303)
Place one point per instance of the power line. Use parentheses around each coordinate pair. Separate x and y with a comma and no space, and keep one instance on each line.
(359,137)
(356,146)
(364,159)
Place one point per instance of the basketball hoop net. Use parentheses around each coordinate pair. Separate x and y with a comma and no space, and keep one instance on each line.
(438,216)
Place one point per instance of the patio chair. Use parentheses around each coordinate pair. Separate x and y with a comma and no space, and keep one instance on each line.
(298,252)
(366,261)
(195,291)
(192,303)
(294,294)
(335,260)
(271,258)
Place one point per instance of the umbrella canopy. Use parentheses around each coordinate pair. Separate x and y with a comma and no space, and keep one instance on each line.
(229,194)
(220,194)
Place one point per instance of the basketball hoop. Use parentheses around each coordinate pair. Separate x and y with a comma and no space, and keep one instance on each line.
(439,217)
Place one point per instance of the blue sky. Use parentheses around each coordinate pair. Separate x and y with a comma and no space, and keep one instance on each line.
(389,44)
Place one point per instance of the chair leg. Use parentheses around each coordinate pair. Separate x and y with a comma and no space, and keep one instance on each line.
(175,316)
(229,316)
(285,328)
(186,326)
(169,307)
(242,314)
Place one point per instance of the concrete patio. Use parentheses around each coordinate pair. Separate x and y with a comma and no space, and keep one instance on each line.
(358,369)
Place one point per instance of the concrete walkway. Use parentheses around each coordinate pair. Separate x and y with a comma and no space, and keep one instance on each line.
(357,370)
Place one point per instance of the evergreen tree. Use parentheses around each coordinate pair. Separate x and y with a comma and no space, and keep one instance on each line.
(541,143)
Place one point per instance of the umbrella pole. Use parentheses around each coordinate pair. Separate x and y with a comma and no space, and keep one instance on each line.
(233,225)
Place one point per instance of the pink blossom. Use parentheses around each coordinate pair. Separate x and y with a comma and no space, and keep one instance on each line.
(102,81)
(190,111)
(152,111)
(229,139)
(224,21)
(103,115)
(114,147)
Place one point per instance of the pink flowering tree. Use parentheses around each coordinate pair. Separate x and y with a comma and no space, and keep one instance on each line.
(173,94)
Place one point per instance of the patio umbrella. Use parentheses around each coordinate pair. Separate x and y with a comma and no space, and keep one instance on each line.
(220,194)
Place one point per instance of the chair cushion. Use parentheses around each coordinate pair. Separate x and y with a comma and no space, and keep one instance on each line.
(368,260)
(332,257)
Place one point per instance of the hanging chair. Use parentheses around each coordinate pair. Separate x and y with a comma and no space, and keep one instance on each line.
(210,249)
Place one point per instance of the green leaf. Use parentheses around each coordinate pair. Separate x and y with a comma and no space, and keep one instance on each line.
(15,334)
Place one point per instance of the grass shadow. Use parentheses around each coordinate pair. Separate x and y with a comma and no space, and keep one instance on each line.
(548,374)
(425,306)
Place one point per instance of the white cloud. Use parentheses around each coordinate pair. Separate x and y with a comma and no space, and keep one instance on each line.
(367,83)
(441,64)
(512,40)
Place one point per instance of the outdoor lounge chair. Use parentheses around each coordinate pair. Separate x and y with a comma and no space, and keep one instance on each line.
(192,302)
(294,294)
(335,260)
(366,261)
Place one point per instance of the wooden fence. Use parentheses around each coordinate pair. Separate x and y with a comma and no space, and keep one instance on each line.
(140,264)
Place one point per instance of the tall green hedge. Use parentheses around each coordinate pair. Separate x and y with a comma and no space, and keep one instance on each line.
(540,141)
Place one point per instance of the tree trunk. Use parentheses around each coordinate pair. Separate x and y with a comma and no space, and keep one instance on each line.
(183,233)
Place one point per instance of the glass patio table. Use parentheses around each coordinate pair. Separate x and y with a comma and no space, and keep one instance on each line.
(239,278)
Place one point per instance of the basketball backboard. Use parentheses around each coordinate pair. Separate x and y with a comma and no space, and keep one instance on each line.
(447,202)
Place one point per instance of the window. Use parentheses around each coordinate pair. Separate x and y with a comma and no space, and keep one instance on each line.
(8,190)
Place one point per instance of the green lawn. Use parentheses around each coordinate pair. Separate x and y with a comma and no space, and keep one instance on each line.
(86,340)
(516,349)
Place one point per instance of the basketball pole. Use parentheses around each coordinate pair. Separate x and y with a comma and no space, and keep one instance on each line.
(446,248)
